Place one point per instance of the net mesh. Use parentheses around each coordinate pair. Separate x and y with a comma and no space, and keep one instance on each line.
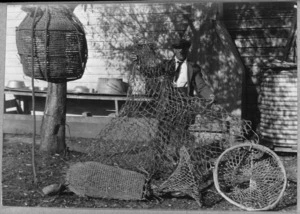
(159,119)
(183,179)
(251,176)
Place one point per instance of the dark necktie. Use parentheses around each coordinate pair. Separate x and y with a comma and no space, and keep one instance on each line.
(177,72)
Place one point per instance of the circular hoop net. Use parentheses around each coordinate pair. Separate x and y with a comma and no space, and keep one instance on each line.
(250,176)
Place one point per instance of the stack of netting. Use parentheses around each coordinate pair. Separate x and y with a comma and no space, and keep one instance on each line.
(167,142)
(151,129)
(54,37)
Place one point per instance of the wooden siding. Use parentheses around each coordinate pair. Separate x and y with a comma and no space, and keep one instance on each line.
(111,29)
(260,32)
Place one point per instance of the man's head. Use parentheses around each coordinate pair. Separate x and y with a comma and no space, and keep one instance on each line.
(181,49)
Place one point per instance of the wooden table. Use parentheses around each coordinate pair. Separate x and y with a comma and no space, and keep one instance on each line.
(24,97)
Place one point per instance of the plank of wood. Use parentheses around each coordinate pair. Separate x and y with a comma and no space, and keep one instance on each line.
(291,39)
(270,32)
(231,14)
(128,8)
(260,42)
(257,23)
(258,5)
(105,20)
(264,51)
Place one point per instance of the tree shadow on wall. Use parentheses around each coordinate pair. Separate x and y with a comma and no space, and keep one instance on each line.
(115,28)
(261,32)
(215,54)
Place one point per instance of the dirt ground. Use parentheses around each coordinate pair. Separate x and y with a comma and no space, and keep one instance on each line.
(19,190)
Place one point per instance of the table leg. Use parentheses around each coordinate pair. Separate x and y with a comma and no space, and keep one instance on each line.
(4,101)
(26,104)
(13,103)
(117,107)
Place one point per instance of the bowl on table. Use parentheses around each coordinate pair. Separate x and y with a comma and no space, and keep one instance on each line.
(16,84)
(81,89)
(111,86)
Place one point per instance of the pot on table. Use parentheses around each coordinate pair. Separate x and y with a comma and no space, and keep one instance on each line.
(112,86)
(81,89)
(16,84)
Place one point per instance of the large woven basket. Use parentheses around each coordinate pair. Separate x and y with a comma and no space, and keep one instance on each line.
(57,40)
(278,106)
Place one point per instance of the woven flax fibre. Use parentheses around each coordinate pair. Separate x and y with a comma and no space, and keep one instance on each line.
(58,42)
(278,106)
(102,181)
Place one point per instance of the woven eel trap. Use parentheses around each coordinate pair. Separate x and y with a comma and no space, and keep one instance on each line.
(51,43)
(183,178)
(97,180)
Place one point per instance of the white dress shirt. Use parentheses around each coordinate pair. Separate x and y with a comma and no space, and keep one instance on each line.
(183,77)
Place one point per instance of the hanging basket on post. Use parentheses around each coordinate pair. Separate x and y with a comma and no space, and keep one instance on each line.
(60,46)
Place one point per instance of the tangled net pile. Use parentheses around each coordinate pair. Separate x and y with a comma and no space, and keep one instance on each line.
(172,139)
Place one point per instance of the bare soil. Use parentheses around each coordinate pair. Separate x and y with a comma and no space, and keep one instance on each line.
(19,190)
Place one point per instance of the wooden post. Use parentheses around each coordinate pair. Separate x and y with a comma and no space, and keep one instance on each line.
(54,119)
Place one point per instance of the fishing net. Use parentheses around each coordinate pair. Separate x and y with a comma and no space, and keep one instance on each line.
(172,139)
(250,176)
(183,179)
(158,119)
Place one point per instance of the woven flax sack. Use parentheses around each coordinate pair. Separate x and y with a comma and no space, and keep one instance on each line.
(97,180)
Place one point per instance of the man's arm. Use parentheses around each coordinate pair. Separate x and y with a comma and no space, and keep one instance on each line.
(201,87)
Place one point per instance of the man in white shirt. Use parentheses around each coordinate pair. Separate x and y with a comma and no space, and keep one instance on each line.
(187,75)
